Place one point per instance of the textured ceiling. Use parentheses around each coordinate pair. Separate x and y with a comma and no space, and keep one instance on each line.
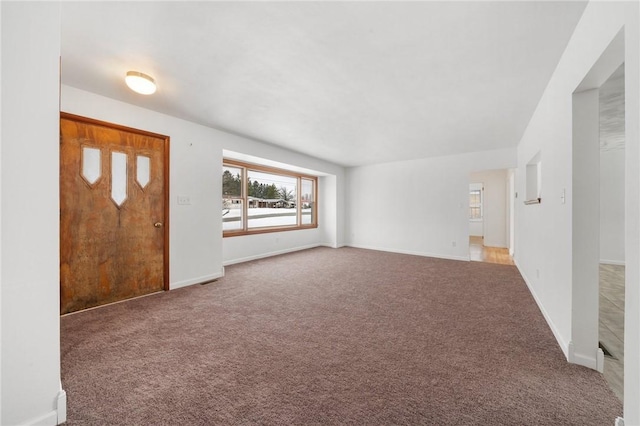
(353,83)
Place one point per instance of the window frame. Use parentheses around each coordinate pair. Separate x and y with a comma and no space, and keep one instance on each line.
(245,168)
(480,188)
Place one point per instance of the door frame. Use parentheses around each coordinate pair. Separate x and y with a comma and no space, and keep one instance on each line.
(165,177)
(583,347)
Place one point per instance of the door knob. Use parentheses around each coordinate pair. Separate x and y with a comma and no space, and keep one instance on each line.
(158,224)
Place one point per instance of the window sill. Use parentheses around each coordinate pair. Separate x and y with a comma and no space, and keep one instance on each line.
(256,231)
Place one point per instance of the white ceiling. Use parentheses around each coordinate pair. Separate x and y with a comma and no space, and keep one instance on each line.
(354,83)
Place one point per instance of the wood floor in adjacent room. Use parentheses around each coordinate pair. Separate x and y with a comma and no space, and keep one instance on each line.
(611,321)
(478,252)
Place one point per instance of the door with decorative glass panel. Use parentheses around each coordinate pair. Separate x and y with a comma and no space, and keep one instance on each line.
(113,213)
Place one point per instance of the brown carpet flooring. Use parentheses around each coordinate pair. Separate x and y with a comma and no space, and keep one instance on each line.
(327,336)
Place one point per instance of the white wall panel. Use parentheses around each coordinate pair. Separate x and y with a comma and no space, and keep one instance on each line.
(30,354)
(544,232)
(419,206)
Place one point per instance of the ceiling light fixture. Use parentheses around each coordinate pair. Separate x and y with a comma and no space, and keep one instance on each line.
(140,83)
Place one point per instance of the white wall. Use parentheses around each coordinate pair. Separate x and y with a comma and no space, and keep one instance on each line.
(494,206)
(30,215)
(331,210)
(1,214)
(250,247)
(544,231)
(197,249)
(612,206)
(476,228)
(585,221)
(417,206)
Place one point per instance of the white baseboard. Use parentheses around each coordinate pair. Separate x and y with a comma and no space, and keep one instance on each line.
(600,361)
(619,421)
(564,346)
(48,419)
(612,262)
(269,254)
(197,280)
(413,253)
(582,359)
(61,406)
(331,245)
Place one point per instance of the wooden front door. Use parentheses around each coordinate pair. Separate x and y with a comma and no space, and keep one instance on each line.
(113,213)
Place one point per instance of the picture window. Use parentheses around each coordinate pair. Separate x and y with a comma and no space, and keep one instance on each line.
(258,199)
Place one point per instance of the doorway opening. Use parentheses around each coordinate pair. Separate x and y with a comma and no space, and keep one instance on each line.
(598,218)
(612,253)
(490,211)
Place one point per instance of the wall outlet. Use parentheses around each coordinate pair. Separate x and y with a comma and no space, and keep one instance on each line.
(453,243)
(184,200)
(538,273)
